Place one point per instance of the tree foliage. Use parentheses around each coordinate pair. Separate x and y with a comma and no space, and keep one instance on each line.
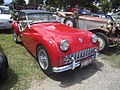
(20,2)
(35,2)
(1,1)
(115,4)
(105,5)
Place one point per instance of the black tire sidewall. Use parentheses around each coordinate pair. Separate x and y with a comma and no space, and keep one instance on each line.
(49,69)
(106,40)
(5,66)
(4,75)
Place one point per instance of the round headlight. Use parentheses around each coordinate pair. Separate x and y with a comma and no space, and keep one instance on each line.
(94,39)
(109,21)
(118,26)
(64,45)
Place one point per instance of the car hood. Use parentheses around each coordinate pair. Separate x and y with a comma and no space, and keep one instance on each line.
(77,38)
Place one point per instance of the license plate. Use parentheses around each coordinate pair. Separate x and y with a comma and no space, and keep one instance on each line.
(86,62)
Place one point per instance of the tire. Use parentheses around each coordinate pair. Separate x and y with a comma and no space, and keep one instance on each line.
(4,75)
(70,22)
(104,42)
(15,37)
(45,65)
(4,67)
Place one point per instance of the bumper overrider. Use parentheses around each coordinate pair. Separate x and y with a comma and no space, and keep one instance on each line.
(89,56)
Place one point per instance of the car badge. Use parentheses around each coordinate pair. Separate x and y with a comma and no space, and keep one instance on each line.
(80,39)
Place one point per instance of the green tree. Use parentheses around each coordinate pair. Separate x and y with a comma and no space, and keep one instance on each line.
(105,5)
(35,2)
(58,3)
(20,2)
(115,4)
(1,1)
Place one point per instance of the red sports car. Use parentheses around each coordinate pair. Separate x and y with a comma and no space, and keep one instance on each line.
(56,46)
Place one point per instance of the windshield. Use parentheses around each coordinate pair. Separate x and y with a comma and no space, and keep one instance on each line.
(42,17)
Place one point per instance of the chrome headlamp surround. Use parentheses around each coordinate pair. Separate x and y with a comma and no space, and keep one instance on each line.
(109,25)
(64,45)
(94,39)
(118,26)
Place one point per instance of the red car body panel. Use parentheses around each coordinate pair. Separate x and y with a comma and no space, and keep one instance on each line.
(50,35)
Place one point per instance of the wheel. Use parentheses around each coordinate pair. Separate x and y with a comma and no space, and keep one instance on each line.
(44,60)
(15,37)
(104,42)
(3,66)
(70,22)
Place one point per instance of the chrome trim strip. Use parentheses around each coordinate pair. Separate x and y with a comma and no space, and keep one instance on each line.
(65,68)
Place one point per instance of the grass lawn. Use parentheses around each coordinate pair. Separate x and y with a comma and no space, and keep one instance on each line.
(23,68)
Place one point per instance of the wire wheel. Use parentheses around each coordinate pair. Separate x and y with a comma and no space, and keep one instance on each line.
(43,59)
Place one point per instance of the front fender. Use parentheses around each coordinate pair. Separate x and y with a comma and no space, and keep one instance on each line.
(53,50)
(94,30)
(15,27)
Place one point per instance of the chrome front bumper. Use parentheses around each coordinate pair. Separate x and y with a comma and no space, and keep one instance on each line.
(74,64)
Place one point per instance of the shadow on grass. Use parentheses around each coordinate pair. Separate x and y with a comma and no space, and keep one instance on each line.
(5,31)
(10,82)
(72,77)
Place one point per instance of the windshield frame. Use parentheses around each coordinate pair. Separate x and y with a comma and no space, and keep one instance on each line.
(55,19)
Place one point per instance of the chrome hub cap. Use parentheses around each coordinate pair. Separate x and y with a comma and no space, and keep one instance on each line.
(14,36)
(69,23)
(43,59)
(102,43)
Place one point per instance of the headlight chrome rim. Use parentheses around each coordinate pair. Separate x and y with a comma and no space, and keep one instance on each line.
(94,39)
(64,45)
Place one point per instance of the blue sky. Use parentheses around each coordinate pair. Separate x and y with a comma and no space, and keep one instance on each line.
(7,1)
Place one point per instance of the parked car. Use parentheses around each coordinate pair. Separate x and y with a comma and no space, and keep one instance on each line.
(3,67)
(106,29)
(116,16)
(5,21)
(56,46)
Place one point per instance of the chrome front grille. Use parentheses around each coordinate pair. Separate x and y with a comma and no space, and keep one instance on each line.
(79,55)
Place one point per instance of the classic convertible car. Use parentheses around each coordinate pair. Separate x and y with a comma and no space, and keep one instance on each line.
(3,66)
(56,46)
(106,29)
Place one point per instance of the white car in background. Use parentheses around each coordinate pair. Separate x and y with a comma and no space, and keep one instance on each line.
(5,21)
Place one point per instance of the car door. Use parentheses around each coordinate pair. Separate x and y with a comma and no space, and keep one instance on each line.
(26,34)
(22,25)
